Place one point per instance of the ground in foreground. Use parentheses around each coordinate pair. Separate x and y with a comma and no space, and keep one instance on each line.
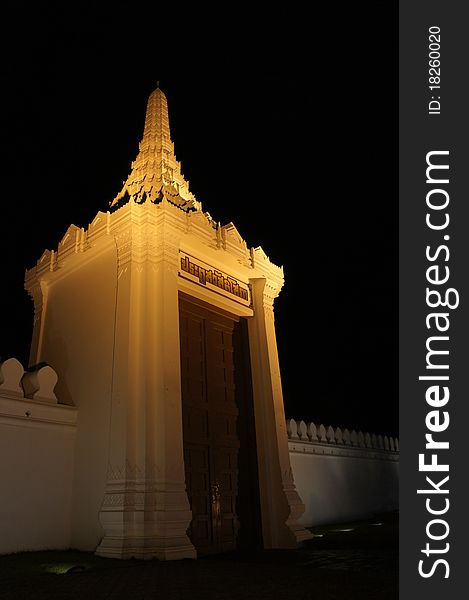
(351,560)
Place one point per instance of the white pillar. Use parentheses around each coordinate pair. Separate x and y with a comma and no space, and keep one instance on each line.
(145,511)
(281,505)
(168,514)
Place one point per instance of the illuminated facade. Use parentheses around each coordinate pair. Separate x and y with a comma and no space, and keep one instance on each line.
(160,325)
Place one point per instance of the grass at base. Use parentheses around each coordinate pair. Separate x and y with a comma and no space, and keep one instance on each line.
(384,520)
(55,561)
(60,561)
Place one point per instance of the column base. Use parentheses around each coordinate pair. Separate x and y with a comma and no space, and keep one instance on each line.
(146,534)
(297,508)
(146,548)
(300,533)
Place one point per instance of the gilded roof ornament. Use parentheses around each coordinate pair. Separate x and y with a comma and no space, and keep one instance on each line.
(156,174)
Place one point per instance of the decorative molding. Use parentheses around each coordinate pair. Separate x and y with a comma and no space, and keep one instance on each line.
(70,242)
(310,439)
(113,500)
(202,226)
(41,407)
(36,384)
(40,383)
(124,472)
(11,372)
(233,243)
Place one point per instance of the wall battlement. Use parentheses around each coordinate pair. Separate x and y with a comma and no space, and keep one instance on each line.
(342,475)
(339,474)
(329,437)
(36,384)
(37,441)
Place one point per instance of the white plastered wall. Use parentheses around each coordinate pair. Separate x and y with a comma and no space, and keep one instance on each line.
(77,339)
(36,502)
(37,438)
(343,482)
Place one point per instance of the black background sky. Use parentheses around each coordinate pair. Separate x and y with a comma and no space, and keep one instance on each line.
(285,123)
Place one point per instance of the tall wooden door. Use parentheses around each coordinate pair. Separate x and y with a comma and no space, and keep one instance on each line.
(210,415)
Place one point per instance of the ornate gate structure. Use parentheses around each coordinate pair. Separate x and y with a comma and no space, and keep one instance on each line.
(160,324)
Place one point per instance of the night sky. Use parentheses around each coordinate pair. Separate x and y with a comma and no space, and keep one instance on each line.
(286,125)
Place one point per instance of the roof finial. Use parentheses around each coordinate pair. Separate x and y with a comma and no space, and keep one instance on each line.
(155,170)
(157,84)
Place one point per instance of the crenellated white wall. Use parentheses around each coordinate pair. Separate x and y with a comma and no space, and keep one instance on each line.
(342,475)
(37,440)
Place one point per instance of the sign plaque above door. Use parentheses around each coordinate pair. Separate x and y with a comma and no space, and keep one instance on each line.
(203,274)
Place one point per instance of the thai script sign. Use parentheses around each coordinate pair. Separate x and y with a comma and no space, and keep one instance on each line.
(213,279)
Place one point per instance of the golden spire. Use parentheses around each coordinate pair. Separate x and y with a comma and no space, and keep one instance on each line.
(155,172)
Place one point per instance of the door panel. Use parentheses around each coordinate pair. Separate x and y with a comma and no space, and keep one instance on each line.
(210,415)
(197,480)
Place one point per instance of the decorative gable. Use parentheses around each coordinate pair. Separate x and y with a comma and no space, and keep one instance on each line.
(69,241)
(234,243)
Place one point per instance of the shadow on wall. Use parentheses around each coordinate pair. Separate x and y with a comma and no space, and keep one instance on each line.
(62,389)
(37,383)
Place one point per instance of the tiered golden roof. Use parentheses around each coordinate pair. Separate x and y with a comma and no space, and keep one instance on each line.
(155,172)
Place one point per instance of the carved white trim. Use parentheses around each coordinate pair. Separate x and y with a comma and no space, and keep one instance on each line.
(299,447)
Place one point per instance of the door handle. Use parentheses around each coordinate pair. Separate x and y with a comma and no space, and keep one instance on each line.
(216,492)
(216,504)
